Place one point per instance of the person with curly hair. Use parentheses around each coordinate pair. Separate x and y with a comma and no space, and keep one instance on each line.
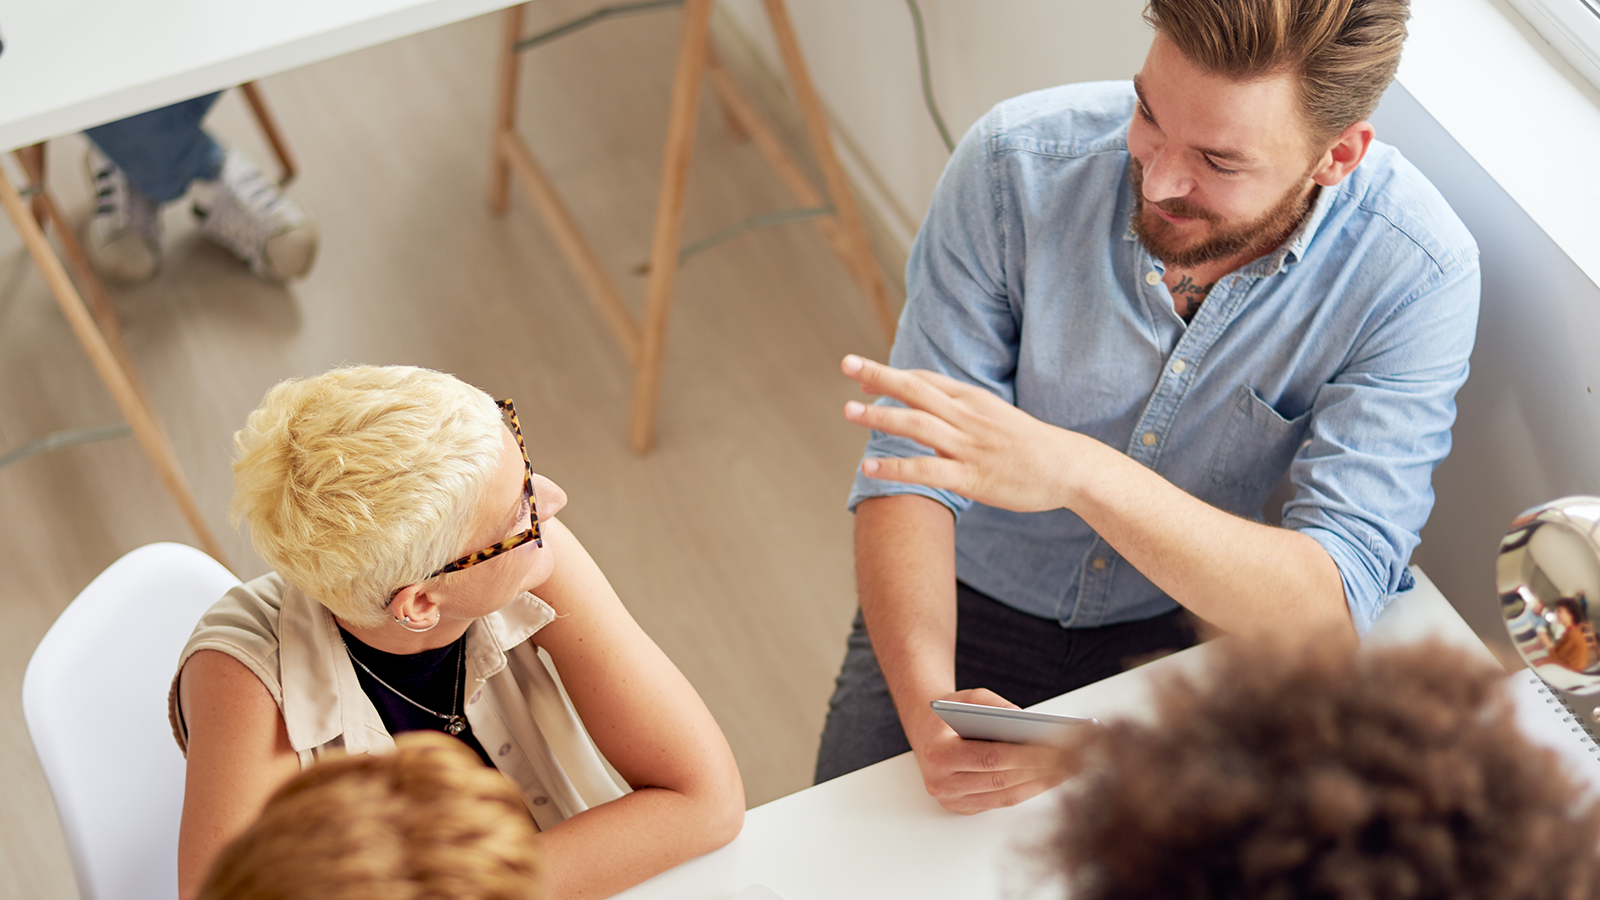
(426,822)
(1318,774)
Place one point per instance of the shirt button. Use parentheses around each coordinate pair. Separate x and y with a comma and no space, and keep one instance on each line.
(504,749)
(540,801)
(1098,564)
(1152,278)
(1149,439)
(1178,366)
(475,696)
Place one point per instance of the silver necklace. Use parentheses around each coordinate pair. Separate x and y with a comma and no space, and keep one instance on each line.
(453,723)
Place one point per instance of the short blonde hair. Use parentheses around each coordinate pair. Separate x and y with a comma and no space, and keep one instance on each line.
(364,479)
(427,822)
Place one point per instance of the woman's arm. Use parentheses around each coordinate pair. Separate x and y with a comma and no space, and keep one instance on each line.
(239,754)
(649,722)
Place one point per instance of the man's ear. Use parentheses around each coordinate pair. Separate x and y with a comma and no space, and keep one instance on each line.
(1344,154)
(417,603)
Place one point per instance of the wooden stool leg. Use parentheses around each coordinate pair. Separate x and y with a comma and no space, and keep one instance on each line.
(669,220)
(729,113)
(147,429)
(505,110)
(269,127)
(858,259)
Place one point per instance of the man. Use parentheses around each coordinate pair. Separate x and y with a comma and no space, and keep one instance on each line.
(1139,305)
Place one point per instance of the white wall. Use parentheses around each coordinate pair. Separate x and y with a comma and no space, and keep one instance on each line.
(1529,425)
(863,58)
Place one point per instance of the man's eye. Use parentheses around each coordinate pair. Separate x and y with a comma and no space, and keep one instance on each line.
(1219,169)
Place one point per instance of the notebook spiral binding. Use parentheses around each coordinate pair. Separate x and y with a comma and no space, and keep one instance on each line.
(1571,715)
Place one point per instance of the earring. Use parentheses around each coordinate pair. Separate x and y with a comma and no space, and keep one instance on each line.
(405,622)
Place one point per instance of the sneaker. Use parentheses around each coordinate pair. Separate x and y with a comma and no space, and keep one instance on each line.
(243,210)
(123,239)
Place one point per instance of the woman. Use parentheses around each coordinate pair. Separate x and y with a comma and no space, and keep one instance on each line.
(418,575)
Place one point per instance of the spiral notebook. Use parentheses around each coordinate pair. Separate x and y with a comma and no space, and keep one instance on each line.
(1547,718)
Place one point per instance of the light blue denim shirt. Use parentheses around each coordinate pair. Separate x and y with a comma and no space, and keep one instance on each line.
(1337,356)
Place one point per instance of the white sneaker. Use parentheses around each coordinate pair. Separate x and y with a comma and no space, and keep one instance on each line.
(123,239)
(245,211)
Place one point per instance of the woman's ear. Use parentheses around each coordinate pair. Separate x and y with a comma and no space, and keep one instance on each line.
(413,606)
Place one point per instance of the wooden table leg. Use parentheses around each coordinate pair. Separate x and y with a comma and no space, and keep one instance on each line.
(269,127)
(147,429)
(859,259)
(99,301)
(505,110)
(32,159)
(669,220)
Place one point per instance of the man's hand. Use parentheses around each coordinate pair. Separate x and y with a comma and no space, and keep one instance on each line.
(988,450)
(971,776)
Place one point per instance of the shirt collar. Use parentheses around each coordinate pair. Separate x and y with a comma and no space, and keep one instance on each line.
(312,657)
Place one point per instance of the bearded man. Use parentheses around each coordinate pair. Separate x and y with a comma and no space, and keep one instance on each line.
(1131,309)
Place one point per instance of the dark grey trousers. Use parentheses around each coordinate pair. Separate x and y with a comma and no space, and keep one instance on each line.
(1023,658)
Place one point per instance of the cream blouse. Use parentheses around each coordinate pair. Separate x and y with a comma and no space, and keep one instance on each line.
(517,709)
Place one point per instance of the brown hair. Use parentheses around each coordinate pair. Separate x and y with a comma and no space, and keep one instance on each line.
(427,822)
(1344,52)
(1400,774)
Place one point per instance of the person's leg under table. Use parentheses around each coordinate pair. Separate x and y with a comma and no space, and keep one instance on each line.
(164,150)
(1023,658)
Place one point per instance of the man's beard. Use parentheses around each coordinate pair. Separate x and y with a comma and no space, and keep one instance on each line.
(1160,237)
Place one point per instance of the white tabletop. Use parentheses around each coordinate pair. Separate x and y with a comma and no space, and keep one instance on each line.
(876,833)
(72,64)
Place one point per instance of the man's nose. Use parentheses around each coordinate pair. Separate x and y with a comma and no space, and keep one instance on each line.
(1165,178)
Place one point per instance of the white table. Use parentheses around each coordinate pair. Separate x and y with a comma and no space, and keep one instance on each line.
(73,64)
(876,833)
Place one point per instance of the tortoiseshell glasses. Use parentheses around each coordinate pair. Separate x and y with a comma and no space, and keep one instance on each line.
(516,540)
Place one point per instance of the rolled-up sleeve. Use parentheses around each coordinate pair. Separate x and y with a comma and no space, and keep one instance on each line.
(1363,478)
(959,318)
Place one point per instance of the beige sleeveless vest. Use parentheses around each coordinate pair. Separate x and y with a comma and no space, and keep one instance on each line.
(516,708)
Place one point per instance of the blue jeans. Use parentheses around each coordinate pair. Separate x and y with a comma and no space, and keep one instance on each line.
(1023,658)
(163,150)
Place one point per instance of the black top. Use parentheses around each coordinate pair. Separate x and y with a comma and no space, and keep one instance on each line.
(429,678)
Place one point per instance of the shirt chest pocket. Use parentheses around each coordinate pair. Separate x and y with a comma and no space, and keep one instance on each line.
(1257,446)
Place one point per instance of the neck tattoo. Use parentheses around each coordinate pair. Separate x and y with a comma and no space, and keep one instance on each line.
(1187,297)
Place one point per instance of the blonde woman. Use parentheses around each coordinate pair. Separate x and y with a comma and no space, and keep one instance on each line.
(426,822)
(418,576)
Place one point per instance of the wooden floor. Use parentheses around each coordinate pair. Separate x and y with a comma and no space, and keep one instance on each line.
(730,543)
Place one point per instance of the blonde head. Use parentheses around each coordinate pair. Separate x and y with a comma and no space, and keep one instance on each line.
(427,822)
(365,479)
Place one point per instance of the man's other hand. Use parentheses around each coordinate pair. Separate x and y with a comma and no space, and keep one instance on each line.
(971,776)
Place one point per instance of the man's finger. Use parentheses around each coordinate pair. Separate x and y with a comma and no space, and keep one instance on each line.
(932,471)
(913,391)
(1011,796)
(923,427)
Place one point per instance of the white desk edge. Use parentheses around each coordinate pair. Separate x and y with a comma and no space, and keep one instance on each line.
(875,833)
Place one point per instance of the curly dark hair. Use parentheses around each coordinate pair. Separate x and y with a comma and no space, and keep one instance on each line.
(1276,775)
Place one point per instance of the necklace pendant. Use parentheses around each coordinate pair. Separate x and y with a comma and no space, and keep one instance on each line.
(455,725)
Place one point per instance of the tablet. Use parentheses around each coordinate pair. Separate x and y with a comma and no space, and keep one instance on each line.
(976,722)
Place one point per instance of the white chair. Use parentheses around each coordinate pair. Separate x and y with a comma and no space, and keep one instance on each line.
(95,699)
